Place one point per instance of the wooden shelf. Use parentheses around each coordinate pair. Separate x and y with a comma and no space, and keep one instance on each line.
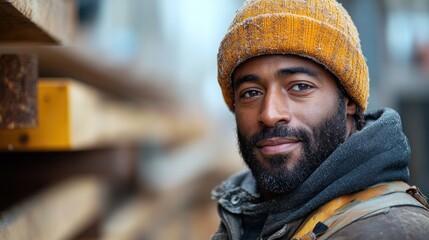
(37,21)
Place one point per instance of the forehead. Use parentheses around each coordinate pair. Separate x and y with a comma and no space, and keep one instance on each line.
(259,62)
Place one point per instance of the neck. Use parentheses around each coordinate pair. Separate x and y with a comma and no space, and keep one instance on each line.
(267,195)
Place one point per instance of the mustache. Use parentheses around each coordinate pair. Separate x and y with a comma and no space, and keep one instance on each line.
(280,132)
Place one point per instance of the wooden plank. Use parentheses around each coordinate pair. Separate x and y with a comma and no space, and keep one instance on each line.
(25,173)
(131,219)
(117,80)
(37,21)
(57,213)
(73,115)
(184,212)
(18,83)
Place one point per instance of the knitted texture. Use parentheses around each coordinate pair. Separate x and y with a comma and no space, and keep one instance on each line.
(321,30)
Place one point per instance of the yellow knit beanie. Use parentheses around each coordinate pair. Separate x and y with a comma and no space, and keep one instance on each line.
(321,30)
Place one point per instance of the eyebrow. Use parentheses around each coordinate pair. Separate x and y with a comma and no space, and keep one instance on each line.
(296,70)
(243,79)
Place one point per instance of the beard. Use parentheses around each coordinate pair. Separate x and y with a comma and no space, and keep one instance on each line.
(274,176)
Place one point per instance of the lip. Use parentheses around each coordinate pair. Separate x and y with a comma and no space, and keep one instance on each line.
(273,146)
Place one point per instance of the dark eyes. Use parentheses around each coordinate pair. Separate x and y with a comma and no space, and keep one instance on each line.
(300,87)
(297,88)
(250,93)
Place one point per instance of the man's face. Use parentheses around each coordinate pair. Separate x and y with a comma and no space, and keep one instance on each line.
(290,118)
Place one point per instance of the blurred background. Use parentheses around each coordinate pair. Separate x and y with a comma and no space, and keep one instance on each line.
(161,54)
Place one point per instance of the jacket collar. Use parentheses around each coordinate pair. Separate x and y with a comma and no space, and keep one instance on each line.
(238,194)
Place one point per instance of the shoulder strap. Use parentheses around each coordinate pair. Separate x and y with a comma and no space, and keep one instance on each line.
(367,209)
(346,209)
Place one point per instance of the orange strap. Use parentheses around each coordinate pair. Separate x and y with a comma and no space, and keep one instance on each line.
(341,204)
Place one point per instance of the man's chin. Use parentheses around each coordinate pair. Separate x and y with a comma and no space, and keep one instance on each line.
(278,181)
(281,162)
(279,174)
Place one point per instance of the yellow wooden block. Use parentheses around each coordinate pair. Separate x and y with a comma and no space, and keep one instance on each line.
(66,119)
(53,121)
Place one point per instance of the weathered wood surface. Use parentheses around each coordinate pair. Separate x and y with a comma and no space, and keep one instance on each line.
(37,21)
(18,90)
(60,212)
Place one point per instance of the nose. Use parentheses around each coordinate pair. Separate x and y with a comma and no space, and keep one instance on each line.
(275,109)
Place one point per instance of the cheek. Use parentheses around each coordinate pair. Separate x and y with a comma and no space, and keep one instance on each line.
(247,122)
(312,114)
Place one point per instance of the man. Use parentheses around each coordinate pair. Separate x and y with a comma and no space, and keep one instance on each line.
(293,73)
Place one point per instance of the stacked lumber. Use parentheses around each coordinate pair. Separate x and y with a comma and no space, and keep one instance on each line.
(69,149)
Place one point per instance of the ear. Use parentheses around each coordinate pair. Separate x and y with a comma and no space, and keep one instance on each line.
(350,107)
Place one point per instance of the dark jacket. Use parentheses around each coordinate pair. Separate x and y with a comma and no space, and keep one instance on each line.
(378,153)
